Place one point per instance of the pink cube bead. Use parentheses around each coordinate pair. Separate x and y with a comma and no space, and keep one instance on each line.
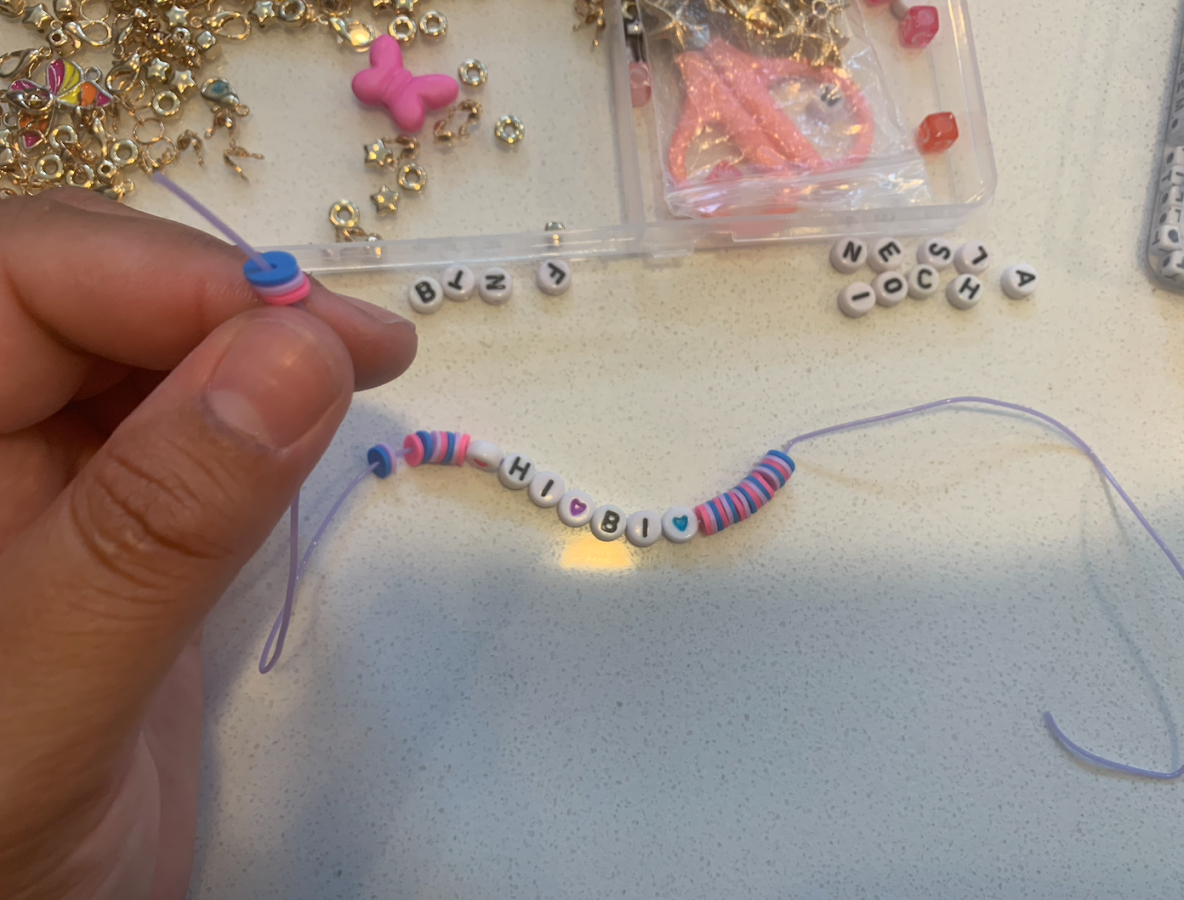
(919,27)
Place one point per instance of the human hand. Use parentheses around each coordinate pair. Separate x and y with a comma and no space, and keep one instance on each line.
(155,423)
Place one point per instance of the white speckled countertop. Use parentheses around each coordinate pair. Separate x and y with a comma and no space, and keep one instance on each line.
(838,699)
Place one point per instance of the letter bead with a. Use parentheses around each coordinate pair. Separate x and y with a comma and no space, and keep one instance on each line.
(1019,282)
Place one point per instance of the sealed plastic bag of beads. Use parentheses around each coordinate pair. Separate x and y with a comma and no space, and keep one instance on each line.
(774,106)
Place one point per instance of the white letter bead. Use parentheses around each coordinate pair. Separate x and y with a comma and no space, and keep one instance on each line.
(972,258)
(857,299)
(679,524)
(1019,282)
(923,282)
(495,286)
(936,252)
(608,522)
(886,254)
(425,295)
(515,471)
(484,456)
(643,528)
(847,255)
(1174,156)
(575,509)
(890,288)
(459,282)
(828,104)
(1173,196)
(1172,215)
(1173,175)
(554,277)
(1167,238)
(546,489)
(964,291)
(1173,266)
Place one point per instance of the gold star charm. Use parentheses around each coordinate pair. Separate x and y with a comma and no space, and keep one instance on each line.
(183,81)
(262,13)
(159,70)
(377,154)
(677,22)
(385,201)
(38,17)
(176,17)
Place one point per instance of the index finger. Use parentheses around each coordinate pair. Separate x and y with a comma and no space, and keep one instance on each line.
(82,278)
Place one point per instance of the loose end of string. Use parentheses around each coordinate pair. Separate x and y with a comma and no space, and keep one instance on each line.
(275,276)
(381,461)
(208,214)
(1100,761)
(1063,739)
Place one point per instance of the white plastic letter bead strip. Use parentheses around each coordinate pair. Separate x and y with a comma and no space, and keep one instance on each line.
(576,508)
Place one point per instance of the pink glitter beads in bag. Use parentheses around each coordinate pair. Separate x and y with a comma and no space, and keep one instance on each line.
(774,110)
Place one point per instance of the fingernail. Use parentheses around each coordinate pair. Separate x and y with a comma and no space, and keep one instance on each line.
(274,384)
(374,311)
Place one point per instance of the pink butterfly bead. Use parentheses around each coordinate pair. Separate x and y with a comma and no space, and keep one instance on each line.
(407,97)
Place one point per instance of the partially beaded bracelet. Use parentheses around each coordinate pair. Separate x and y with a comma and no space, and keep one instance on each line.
(547,490)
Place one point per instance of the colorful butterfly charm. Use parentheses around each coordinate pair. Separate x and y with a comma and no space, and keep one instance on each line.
(66,86)
(407,97)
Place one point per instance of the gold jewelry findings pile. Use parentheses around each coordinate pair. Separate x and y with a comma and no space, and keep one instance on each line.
(63,123)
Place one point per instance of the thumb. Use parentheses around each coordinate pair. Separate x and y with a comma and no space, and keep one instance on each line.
(98,597)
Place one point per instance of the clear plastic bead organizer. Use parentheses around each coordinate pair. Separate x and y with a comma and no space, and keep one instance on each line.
(589,159)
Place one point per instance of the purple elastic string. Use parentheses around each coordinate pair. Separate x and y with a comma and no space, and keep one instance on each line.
(296,567)
(1085,756)
(1073,748)
(206,213)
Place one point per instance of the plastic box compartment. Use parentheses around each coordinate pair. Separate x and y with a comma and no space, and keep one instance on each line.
(589,159)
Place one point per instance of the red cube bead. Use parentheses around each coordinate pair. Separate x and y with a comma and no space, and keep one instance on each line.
(919,26)
(937,133)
